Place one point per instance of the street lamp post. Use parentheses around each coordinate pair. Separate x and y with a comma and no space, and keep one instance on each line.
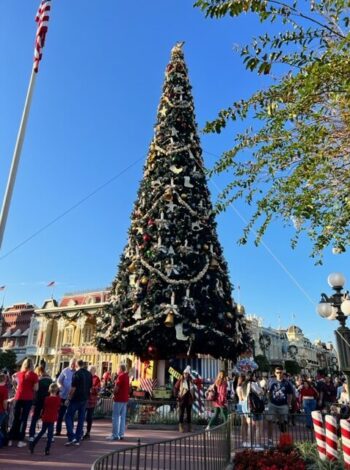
(337,307)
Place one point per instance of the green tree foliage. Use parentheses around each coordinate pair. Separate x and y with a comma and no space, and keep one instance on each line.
(263,363)
(298,162)
(8,360)
(292,367)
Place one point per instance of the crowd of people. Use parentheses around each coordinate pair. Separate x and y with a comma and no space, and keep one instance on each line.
(48,403)
(33,394)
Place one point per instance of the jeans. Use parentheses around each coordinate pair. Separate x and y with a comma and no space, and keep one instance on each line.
(182,407)
(35,418)
(309,406)
(219,410)
(20,418)
(45,427)
(75,407)
(89,416)
(118,419)
(61,415)
(3,428)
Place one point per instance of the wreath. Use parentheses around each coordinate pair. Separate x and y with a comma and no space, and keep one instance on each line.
(292,350)
(264,341)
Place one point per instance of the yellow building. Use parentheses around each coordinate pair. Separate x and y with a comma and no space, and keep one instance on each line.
(67,330)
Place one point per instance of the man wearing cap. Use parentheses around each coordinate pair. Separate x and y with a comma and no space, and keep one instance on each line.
(184,391)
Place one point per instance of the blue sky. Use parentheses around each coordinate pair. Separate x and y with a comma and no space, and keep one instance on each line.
(92,117)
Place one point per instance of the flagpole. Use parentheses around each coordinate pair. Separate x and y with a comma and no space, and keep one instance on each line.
(16,157)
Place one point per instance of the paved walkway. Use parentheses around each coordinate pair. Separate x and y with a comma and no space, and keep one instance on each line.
(77,458)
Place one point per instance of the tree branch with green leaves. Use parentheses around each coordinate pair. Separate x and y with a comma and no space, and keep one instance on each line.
(294,161)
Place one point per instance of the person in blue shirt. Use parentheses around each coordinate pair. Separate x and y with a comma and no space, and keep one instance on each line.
(280,394)
(64,383)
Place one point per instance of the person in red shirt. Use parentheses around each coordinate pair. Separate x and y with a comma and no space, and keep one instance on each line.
(308,397)
(49,417)
(92,400)
(121,398)
(3,406)
(27,385)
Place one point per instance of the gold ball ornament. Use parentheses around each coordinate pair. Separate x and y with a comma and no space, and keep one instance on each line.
(205,247)
(144,280)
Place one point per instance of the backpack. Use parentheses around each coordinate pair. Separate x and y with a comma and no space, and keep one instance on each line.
(256,404)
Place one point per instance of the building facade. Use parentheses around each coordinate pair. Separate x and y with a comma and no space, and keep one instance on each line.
(17,323)
(281,345)
(67,329)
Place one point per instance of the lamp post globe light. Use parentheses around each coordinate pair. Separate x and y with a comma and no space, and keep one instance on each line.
(337,307)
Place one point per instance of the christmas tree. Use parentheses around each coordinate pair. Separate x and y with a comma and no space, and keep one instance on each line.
(172,294)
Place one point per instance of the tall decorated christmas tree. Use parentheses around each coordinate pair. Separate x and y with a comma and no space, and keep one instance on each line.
(172,294)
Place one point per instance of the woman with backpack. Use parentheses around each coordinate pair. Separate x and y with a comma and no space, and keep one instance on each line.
(251,397)
(220,399)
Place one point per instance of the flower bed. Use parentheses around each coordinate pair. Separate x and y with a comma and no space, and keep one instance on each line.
(269,460)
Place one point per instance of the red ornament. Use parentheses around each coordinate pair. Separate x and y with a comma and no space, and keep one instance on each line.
(146,237)
(151,350)
(150,222)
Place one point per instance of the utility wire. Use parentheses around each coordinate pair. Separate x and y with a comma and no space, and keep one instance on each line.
(118,175)
(70,209)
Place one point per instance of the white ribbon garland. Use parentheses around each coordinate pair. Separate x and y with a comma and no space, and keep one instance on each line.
(167,279)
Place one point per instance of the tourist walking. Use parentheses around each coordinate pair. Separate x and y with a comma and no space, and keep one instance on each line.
(43,391)
(220,401)
(280,394)
(308,398)
(92,400)
(3,407)
(49,416)
(76,403)
(184,391)
(120,401)
(64,383)
(27,385)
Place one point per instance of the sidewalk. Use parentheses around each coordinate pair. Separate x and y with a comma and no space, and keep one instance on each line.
(77,458)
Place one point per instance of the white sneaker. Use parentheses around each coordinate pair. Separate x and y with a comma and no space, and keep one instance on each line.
(21,444)
(207,428)
(111,438)
(10,443)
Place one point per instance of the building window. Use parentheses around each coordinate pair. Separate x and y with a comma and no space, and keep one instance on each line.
(88,334)
(35,337)
(68,336)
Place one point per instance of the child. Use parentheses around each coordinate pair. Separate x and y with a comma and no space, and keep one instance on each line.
(49,416)
(3,407)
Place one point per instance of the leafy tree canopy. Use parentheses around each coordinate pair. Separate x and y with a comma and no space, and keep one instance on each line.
(299,146)
(8,360)
(263,363)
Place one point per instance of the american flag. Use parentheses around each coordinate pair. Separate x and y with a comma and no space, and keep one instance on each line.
(42,18)
(2,287)
(148,385)
(50,284)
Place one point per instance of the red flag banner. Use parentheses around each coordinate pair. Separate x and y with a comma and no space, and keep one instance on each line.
(42,19)
(2,287)
(51,284)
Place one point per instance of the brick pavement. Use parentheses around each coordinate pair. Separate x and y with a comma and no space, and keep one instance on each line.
(77,458)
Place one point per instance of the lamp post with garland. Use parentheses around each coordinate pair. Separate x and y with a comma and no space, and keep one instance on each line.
(337,307)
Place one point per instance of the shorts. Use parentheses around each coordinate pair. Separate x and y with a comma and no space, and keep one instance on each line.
(279,413)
